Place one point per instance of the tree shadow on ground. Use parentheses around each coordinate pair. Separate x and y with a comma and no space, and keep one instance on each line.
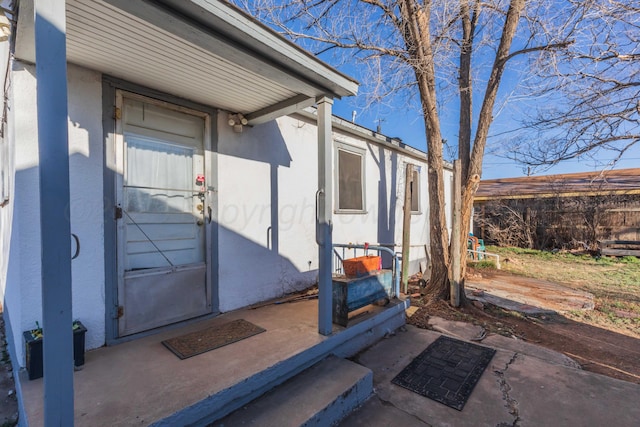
(596,349)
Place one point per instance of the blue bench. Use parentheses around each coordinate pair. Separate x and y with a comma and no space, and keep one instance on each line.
(350,294)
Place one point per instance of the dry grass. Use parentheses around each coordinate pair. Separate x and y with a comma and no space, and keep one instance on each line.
(615,283)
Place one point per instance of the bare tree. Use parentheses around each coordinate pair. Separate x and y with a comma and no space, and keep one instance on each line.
(506,224)
(590,94)
(434,51)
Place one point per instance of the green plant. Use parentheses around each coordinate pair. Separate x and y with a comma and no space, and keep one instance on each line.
(606,260)
(521,251)
(630,259)
(38,334)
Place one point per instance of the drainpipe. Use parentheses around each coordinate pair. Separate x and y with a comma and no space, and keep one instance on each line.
(324,199)
(51,75)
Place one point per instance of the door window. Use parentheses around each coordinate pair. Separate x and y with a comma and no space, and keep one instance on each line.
(159,176)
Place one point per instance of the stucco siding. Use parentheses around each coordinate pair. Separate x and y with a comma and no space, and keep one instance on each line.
(23,285)
(8,235)
(266,235)
(86,150)
(267,184)
(23,296)
(265,213)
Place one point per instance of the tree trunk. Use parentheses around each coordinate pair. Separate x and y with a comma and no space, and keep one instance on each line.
(417,37)
(466,213)
(416,33)
(464,85)
(484,121)
(438,286)
(464,138)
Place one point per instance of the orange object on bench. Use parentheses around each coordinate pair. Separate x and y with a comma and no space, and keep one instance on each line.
(361,266)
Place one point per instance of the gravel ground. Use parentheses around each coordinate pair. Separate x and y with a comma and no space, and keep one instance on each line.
(8,401)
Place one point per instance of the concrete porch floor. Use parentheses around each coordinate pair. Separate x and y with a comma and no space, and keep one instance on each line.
(141,382)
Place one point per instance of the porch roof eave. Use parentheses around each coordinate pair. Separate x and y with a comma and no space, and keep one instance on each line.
(207,51)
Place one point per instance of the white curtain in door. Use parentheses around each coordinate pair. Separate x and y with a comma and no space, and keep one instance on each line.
(159,176)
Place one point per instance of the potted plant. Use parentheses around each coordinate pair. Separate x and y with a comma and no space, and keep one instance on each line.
(33,346)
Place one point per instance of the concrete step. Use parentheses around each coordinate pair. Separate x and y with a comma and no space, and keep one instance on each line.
(320,396)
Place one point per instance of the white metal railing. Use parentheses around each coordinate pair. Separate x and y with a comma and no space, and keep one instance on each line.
(485,254)
(338,259)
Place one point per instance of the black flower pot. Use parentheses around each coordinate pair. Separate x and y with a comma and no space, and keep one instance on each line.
(33,346)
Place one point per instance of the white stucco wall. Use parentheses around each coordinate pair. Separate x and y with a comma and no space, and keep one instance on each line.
(6,166)
(267,179)
(6,176)
(86,150)
(267,252)
(22,294)
(23,285)
(8,298)
(267,236)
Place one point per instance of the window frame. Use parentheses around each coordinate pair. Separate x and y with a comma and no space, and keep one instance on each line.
(339,146)
(418,193)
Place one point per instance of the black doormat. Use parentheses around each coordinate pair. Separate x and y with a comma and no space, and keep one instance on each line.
(199,342)
(447,371)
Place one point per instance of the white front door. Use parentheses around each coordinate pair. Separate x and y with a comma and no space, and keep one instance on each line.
(164,214)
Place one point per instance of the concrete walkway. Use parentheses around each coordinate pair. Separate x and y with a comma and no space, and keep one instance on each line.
(524,385)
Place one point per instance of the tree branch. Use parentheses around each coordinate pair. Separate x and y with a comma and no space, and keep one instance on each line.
(552,46)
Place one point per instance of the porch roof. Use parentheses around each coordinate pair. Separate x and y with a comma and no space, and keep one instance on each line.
(207,51)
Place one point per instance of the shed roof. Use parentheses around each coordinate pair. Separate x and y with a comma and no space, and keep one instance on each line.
(620,181)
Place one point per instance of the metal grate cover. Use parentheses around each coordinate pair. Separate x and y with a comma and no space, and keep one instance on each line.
(447,371)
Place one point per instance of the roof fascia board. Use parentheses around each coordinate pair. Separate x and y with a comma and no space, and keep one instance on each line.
(551,195)
(208,39)
(369,135)
(245,30)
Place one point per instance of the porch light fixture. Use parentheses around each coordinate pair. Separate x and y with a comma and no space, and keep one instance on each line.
(5,26)
(237,121)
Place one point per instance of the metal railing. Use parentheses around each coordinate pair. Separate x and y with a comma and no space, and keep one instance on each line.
(338,269)
(481,255)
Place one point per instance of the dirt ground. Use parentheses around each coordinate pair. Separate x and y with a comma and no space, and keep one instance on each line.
(596,349)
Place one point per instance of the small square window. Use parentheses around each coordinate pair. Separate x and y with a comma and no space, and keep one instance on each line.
(350,182)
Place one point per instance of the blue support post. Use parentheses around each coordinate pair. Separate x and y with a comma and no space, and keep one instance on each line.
(324,199)
(51,75)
